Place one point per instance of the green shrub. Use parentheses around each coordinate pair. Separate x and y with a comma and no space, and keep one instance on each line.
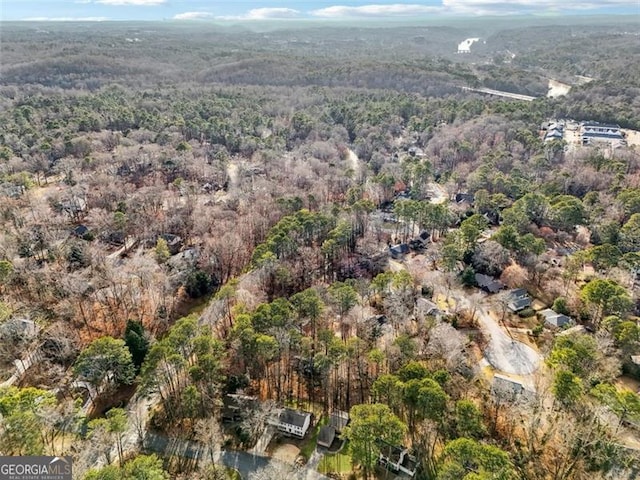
(537,330)
(560,306)
(526,313)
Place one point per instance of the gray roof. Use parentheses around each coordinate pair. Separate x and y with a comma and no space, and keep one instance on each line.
(488,283)
(554,318)
(519,304)
(612,135)
(599,125)
(464,197)
(400,249)
(234,405)
(339,420)
(293,417)
(426,306)
(554,133)
(517,293)
(326,436)
(80,230)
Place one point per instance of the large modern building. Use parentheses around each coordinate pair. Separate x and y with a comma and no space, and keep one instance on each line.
(594,132)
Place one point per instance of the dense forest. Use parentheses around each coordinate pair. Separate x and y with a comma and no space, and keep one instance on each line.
(305,217)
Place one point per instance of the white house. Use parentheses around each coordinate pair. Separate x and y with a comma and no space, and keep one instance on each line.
(293,422)
(397,459)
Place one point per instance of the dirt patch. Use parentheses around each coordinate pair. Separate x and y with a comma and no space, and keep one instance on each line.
(538,305)
(117,399)
(627,382)
(286,453)
(632,137)
(557,89)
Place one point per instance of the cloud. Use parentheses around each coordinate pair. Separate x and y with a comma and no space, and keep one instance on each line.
(391,10)
(524,6)
(65,19)
(143,3)
(192,16)
(467,7)
(265,14)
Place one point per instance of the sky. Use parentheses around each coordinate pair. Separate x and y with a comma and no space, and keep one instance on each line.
(200,10)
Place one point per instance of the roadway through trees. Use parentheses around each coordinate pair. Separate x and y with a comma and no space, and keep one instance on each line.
(503,353)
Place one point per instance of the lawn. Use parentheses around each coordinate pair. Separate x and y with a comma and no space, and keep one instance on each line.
(338,463)
(309,444)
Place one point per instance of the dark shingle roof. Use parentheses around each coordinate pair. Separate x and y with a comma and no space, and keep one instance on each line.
(339,420)
(519,304)
(518,293)
(464,197)
(326,436)
(400,249)
(600,125)
(488,283)
(293,417)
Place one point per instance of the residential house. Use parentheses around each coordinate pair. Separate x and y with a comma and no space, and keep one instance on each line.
(554,319)
(234,406)
(174,242)
(80,231)
(416,152)
(554,131)
(74,206)
(294,422)
(425,307)
(399,251)
(493,217)
(555,134)
(397,459)
(420,242)
(594,132)
(517,300)
(337,421)
(488,284)
(326,436)
(467,198)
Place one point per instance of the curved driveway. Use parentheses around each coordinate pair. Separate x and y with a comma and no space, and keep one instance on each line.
(244,462)
(503,352)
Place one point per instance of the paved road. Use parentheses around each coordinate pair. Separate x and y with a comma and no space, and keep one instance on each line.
(264,440)
(503,353)
(245,463)
(316,456)
(500,93)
